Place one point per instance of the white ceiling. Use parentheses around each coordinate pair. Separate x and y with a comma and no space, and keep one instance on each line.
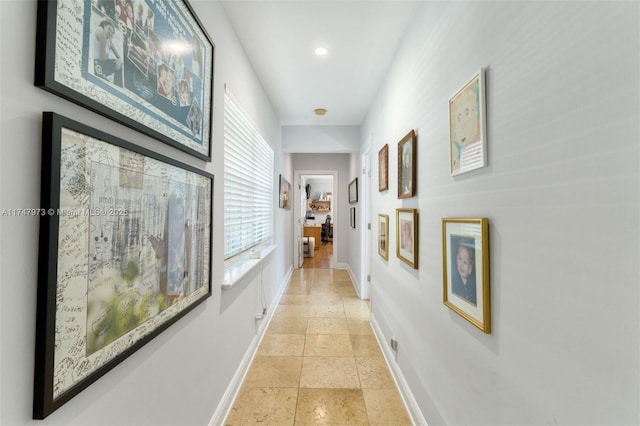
(280,37)
(319,178)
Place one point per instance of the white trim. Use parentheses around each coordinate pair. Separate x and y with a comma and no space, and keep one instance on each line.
(231,393)
(401,383)
(353,277)
(235,272)
(366,236)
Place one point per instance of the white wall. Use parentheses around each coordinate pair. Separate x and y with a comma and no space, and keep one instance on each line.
(354,255)
(321,139)
(562,196)
(284,219)
(181,376)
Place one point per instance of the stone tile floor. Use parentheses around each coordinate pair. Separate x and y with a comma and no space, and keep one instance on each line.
(319,362)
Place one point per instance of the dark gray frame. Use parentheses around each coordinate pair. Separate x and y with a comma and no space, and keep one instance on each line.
(353,191)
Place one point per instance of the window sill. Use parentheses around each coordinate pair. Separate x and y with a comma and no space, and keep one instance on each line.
(236,272)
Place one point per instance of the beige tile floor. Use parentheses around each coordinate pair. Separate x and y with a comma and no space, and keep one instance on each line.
(319,362)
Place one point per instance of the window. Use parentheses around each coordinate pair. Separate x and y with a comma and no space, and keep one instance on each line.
(248,183)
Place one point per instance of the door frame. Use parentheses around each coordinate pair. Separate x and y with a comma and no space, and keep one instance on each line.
(298,217)
(365,218)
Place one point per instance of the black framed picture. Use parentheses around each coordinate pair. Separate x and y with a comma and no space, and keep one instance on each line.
(145,63)
(125,251)
(352,217)
(353,191)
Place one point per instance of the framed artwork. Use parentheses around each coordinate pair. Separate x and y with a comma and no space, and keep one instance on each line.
(125,252)
(467,127)
(383,168)
(353,191)
(285,193)
(407,236)
(407,166)
(383,236)
(352,216)
(145,63)
(465,248)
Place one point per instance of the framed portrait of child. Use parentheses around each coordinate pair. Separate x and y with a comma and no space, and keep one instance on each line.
(465,249)
(407,236)
(407,165)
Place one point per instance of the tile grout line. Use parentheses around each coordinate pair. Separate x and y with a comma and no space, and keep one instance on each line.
(320,280)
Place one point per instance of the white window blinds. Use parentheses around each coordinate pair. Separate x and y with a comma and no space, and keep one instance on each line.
(248,183)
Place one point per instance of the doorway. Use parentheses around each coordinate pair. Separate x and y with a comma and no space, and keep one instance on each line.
(316,218)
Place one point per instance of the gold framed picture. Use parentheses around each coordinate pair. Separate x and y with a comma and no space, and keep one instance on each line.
(465,266)
(383,236)
(383,168)
(407,236)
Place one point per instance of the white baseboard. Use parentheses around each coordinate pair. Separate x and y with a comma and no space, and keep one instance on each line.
(341,265)
(405,392)
(354,279)
(229,397)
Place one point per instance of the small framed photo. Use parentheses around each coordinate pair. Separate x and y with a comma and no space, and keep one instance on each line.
(465,248)
(353,191)
(407,236)
(352,215)
(383,168)
(407,166)
(285,193)
(467,127)
(383,236)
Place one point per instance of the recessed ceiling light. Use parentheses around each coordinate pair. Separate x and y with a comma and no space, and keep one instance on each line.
(321,51)
(320,111)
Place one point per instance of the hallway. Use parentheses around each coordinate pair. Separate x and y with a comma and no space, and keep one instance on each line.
(322,258)
(319,362)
